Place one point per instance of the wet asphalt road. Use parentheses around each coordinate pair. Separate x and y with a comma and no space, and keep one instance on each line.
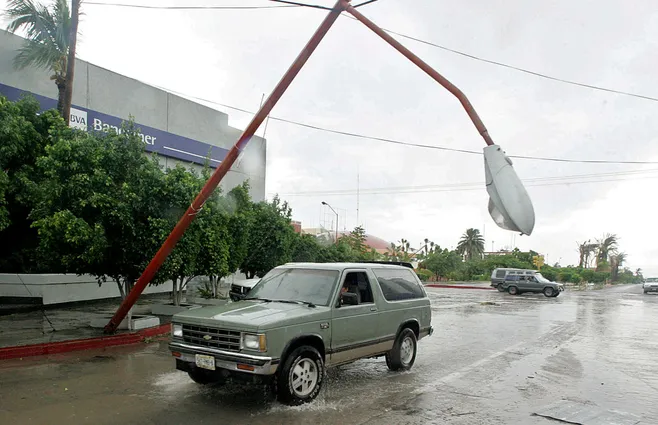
(493,359)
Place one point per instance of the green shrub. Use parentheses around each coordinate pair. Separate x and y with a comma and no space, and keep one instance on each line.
(424,274)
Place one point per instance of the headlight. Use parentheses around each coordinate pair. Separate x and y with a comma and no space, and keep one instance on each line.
(254,342)
(177,330)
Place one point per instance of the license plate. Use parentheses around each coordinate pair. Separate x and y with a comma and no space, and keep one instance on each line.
(205,362)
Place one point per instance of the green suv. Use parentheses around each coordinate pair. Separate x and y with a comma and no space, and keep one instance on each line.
(300,319)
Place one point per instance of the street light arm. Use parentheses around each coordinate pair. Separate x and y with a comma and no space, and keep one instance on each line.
(475,118)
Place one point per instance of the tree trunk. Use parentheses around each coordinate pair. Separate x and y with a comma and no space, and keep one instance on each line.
(127,286)
(121,291)
(214,283)
(178,283)
(61,92)
(70,63)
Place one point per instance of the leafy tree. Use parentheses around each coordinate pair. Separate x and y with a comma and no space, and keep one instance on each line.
(48,32)
(187,260)
(471,245)
(424,274)
(93,205)
(442,262)
(270,238)
(238,207)
(4,212)
(24,136)
(306,249)
(356,239)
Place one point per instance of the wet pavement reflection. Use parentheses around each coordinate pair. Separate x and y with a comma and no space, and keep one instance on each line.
(493,359)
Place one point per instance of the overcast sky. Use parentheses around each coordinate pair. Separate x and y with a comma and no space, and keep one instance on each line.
(355,82)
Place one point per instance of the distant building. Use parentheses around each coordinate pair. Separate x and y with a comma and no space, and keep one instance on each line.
(329,237)
(297,225)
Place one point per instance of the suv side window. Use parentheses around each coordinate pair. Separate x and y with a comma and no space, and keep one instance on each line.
(500,273)
(359,284)
(398,285)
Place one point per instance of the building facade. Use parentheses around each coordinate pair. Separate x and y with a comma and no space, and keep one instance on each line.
(178,130)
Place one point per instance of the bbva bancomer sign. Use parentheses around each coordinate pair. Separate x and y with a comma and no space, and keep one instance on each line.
(161,142)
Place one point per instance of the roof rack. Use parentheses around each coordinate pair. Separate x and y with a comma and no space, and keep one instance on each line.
(394,263)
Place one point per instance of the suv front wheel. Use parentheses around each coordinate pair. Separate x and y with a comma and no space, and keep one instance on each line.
(301,377)
(403,354)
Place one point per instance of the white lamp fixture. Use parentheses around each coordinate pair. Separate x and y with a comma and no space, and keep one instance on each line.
(509,203)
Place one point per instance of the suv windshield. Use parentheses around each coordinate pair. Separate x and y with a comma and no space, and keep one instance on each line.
(306,285)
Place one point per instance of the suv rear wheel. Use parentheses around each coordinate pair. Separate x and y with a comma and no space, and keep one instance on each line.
(301,377)
(513,290)
(500,287)
(403,354)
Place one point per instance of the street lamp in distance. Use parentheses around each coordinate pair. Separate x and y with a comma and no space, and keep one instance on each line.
(330,207)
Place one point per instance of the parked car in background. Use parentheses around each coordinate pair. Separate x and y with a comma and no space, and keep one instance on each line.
(300,319)
(518,284)
(240,288)
(650,285)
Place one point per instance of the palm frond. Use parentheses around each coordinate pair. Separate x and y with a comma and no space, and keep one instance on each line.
(34,18)
(38,55)
(62,24)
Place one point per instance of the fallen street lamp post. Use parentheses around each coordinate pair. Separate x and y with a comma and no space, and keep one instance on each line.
(509,204)
(223,168)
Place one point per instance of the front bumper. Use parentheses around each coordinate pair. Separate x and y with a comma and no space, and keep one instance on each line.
(225,360)
(651,289)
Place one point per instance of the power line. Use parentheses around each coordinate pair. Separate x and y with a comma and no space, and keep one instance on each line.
(288,4)
(364,3)
(294,3)
(143,6)
(566,180)
(463,187)
(516,68)
(402,143)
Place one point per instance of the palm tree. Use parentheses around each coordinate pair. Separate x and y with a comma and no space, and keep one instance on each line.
(48,31)
(606,246)
(616,261)
(471,244)
(585,250)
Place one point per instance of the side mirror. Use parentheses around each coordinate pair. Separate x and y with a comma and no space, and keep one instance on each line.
(509,203)
(349,298)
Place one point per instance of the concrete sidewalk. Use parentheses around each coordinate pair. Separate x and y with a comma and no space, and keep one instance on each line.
(67,322)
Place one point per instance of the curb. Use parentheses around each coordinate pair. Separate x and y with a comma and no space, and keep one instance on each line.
(20,351)
(436,285)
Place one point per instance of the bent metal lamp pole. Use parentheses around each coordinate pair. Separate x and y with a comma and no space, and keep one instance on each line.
(263,112)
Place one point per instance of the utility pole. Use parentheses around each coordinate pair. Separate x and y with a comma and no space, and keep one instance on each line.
(357,196)
(70,61)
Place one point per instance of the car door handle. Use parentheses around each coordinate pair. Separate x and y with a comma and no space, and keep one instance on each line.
(373,308)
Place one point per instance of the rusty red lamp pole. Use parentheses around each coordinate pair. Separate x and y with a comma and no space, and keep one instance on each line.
(266,108)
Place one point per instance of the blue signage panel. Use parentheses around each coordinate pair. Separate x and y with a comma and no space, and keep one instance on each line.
(162,142)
